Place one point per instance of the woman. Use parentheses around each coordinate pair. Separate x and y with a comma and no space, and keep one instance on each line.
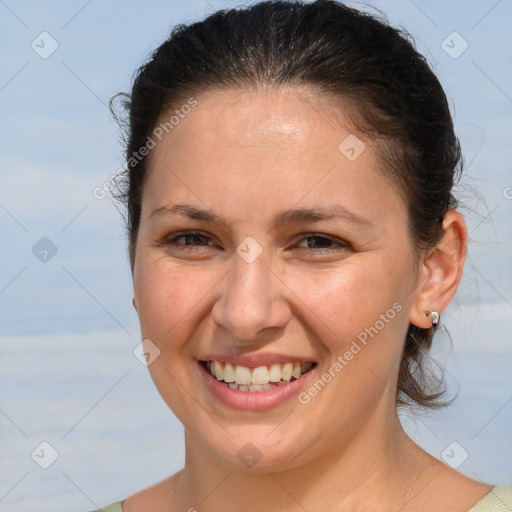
(293,240)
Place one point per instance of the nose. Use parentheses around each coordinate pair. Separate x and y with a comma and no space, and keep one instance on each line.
(251,308)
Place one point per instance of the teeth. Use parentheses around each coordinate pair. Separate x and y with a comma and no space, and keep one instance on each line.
(218,371)
(305,367)
(275,373)
(260,376)
(242,375)
(229,373)
(286,373)
(243,378)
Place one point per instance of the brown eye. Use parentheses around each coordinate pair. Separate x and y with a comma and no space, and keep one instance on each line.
(191,240)
(322,243)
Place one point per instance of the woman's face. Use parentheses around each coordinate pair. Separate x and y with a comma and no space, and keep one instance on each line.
(299,254)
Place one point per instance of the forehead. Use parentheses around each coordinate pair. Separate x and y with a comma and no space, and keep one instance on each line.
(252,117)
(267,147)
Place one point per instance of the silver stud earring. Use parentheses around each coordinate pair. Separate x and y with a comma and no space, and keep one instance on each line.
(434,315)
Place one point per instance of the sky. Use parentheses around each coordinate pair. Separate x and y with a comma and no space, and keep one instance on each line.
(65,282)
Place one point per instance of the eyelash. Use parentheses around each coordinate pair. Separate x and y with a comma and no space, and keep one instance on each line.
(341,244)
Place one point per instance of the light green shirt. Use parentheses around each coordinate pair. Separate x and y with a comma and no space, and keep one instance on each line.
(499,499)
(115,507)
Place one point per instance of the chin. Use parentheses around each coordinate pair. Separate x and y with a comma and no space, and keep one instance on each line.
(258,449)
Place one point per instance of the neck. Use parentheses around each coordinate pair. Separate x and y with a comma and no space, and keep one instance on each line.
(374,468)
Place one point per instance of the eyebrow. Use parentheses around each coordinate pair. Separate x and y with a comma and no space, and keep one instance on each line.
(286,217)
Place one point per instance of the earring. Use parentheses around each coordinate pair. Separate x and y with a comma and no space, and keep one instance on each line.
(133,303)
(434,315)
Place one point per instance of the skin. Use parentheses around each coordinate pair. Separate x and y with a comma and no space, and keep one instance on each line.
(246,156)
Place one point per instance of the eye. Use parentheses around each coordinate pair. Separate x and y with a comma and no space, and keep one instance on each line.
(196,241)
(192,240)
(327,244)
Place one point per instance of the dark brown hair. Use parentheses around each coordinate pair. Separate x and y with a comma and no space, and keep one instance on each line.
(339,52)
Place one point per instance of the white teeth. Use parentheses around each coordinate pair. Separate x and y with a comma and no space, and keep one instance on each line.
(260,376)
(218,370)
(286,373)
(229,373)
(275,373)
(242,375)
(243,378)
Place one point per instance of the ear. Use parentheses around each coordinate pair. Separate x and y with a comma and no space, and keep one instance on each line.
(441,271)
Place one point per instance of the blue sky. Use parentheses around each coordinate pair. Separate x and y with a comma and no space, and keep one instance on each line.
(58,142)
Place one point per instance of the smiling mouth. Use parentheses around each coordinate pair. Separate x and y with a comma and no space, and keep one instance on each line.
(262,378)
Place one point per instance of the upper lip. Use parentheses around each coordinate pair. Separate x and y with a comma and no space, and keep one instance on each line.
(255,360)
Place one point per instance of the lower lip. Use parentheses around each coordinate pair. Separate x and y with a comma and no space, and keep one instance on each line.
(253,400)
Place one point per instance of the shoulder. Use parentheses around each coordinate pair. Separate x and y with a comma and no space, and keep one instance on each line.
(497,499)
(155,498)
(448,486)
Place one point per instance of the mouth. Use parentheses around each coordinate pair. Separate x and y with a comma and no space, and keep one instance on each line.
(262,378)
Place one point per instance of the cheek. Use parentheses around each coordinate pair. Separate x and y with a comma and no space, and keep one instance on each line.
(359,316)
(169,298)
(169,302)
(350,298)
